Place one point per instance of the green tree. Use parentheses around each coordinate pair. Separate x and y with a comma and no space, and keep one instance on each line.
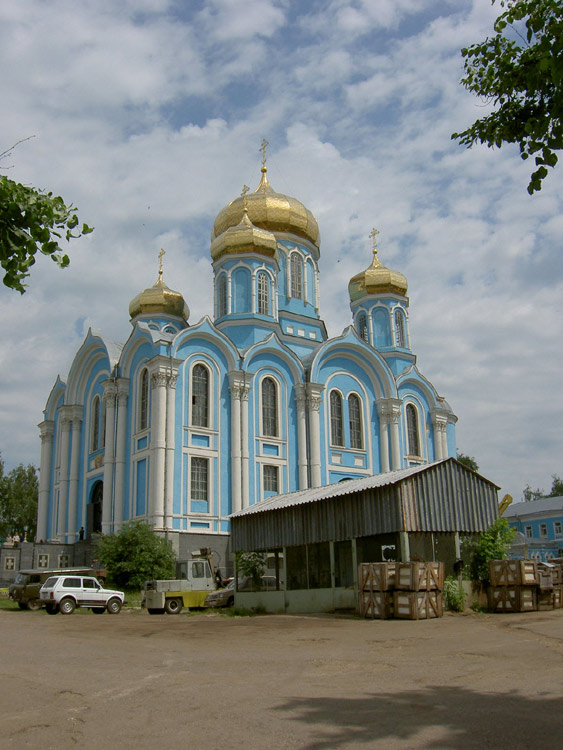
(468,461)
(135,555)
(530,494)
(32,220)
(493,544)
(556,486)
(251,565)
(520,71)
(19,490)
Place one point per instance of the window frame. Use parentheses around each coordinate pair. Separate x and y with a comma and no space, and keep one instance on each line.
(357,428)
(95,424)
(269,410)
(336,420)
(203,407)
(143,402)
(262,293)
(296,275)
(199,486)
(413,430)
(273,470)
(222,296)
(399,324)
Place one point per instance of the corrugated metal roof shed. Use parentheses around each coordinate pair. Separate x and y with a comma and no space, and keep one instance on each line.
(442,496)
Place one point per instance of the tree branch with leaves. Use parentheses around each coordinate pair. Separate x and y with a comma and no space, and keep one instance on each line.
(520,71)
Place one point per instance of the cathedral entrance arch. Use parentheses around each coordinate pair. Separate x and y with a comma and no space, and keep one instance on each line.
(94,510)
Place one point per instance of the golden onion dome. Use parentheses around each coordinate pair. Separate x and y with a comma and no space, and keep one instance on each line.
(244,238)
(377,279)
(159,299)
(271,211)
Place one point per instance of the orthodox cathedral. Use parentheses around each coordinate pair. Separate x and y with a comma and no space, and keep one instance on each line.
(185,424)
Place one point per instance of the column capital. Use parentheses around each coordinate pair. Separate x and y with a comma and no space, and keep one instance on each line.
(65,415)
(314,395)
(388,409)
(46,429)
(239,384)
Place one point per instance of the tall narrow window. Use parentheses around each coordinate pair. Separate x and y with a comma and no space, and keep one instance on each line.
(95,430)
(412,431)
(296,265)
(355,419)
(269,408)
(144,401)
(271,478)
(222,294)
(399,329)
(336,431)
(363,327)
(200,396)
(199,478)
(263,294)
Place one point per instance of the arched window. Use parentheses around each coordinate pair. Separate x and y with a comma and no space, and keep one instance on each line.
(296,267)
(263,294)
(363,327)
(413,446)
(399,329)
(222,295)
(336,431)
(269,408)
(95,425)
(355,420)
(144,400)
(200,396)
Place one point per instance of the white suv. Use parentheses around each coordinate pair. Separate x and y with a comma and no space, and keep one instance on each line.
(64,593)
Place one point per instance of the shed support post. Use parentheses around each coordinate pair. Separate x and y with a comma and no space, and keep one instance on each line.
(404,545)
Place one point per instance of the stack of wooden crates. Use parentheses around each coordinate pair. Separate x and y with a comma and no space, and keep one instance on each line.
(408,591)
(524,586)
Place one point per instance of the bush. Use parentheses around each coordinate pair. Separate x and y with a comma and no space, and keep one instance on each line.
(135,555)
(454,595)
(493,544)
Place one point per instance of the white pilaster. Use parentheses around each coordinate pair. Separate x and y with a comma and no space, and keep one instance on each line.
(76,416)
(389,410)
(119,485)
(169,451)
(301,401)
(110,390)
(47,429)
(159,381)
(65,416)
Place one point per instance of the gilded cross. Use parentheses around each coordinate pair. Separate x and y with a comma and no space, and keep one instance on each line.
(161,255)
(263,150)
(373,234)
(244,191)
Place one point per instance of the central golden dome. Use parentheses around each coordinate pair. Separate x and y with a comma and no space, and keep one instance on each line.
(269,210)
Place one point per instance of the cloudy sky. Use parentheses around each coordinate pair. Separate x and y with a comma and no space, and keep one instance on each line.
(148,115)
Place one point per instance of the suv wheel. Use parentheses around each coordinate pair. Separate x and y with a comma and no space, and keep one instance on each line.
(34,605)
(67,606)
(114,606)
(98,610)
(52,609)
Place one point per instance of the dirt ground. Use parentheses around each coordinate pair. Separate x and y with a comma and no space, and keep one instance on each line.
(312,682)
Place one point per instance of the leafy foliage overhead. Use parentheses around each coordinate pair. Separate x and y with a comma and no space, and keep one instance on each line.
(31,221)
(18,501)
(135,555)
(520,71)
(468,461)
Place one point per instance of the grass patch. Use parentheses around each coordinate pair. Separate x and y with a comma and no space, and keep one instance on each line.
(242,612)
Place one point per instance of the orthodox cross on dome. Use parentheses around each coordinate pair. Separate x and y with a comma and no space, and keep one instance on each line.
(373,234)
(161,255)
(243,192)
(263,150)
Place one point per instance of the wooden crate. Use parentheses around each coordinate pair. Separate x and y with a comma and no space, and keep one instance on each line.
(419,576)
(418,605)
(376,576)
(377,605)
(556,571)
(512,598)
(513,573)
(545,579)
(546,600)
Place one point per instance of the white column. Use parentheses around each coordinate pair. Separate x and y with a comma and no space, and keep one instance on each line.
(63,477)
(76,416)
(389,410)
(119,484)
(47,429)
(244,443)
(302,463)
(159,381)
(439,419)
(314,391)
(169,451)
(236,448)
(383,440)
(110,390)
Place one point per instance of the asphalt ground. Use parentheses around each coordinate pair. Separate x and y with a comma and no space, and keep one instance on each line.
(213,682)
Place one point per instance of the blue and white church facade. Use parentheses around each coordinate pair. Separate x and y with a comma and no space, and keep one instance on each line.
(184,424)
